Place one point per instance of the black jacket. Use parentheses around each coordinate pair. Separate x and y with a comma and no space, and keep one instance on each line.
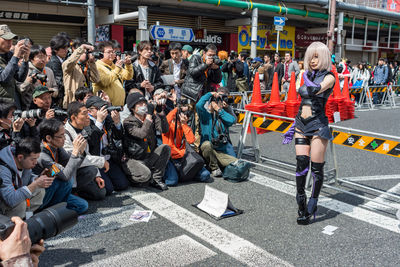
(56,66)
(280,70)
(196,82)
(230,67)
(138,77)
(141,136)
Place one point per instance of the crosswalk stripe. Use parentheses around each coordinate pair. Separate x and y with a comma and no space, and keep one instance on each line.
(385,199)
(373,178)
(332,204)
(227,242)
(177,251)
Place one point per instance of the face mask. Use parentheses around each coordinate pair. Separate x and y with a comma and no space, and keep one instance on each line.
(142,110)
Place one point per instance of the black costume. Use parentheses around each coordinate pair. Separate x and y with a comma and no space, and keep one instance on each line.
(315,125)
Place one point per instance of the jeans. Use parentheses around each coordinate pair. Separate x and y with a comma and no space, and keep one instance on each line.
(229,150)
(171,175)
(77,204)
(114,179)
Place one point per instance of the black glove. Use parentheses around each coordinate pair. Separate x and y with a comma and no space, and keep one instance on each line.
(313,90)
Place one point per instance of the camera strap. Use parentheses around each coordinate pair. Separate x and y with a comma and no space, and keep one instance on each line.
(176,127)
(55,158)
(14,175)
(119,78)
(216,119)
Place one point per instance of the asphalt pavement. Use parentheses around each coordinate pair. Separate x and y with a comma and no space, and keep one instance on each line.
(348,230)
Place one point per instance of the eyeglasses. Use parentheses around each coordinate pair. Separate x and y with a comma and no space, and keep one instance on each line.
(59,136)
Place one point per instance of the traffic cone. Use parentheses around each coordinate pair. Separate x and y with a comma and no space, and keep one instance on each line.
(275,96)
(292,104)
(348,102)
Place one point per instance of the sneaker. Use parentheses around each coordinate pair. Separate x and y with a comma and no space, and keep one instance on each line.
(216,173)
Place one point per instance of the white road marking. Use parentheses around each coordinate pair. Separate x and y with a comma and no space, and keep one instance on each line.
(329,229)
(177,251)
(332,204)
(227,242)
(386,199)
(372,178)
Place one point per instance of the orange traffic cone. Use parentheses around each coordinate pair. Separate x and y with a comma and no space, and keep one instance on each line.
(256,98)
(292,95)
(346,93)
(336,89)
(275,97)
(292,104)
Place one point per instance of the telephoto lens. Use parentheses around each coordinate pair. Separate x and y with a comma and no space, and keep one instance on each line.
(43,225)
(32,114)
(51,222)
(116,108)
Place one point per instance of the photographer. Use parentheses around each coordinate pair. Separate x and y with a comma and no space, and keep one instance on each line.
(79,70)
(146,162)
(13,128)
(10,70)
(62,165)
(42,100)
(179,131)
(16,249)
(202,73)
(235,69)
(175,66)
(214,123)
(112,76)
(22,192)
(88,181)
(82,94)
(110,145)
(59,49)
(38,75)
(147,75)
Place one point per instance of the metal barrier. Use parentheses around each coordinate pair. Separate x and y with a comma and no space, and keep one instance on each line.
(366,92)
(353,138)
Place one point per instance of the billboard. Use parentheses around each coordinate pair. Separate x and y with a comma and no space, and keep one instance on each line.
(393,5)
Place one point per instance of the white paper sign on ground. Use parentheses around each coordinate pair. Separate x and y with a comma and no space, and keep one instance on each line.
(214,202)
(336,116)
(329,229)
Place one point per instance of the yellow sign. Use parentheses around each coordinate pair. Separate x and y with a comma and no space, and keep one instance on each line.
(266,38)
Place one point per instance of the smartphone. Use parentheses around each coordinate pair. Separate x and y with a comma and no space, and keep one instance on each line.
(123,56)
(27,42)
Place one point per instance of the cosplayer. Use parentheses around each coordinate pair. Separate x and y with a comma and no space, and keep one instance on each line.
(311,131)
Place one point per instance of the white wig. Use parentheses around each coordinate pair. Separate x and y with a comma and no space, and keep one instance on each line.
(324,56)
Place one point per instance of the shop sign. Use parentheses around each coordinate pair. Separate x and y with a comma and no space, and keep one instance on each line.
(160,32)
(393,5)
(266,38)
(210,39)
(304,39)
(199,34)
(14,15)
(40,17)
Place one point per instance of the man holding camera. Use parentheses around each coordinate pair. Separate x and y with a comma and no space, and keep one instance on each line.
(202,73)
(60,164)
(88,181)
(38,75)
(108,129)
(214,123)
(235,68)
(10,70)
(21,192)
(112,76)
(146,161)
(79,70)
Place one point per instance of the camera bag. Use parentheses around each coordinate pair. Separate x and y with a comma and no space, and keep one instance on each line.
(237,171)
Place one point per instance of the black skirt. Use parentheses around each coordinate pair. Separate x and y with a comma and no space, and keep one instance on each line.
(314,126)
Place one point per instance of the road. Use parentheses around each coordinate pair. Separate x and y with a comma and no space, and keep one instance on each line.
(359,233)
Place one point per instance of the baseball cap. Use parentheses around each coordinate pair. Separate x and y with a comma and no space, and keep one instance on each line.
(133,99)
(6,33)
(256,59)
(40,90)
(188,48)
(95,101)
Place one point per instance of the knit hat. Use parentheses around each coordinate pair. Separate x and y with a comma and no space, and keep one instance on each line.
(133,99)
(188,48)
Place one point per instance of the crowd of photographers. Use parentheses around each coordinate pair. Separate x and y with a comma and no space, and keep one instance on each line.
(86,121)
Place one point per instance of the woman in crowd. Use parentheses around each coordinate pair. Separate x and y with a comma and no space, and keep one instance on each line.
(311,126)
(360,77)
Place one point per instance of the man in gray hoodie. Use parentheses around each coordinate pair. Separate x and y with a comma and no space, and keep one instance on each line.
(21,192)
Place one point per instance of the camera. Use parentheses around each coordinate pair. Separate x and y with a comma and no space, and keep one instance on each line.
(28,114)
(184,102)
(222,139)
(97,54)
(36,75)
(226,99)
(217,61)
(112,108)
(85,134)
(60,114)
(43,225)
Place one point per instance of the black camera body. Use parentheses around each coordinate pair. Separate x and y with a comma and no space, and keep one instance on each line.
(43,225)
(97,54)
(112,108)
(217,61)
(28,114)
(222,139)
(36,75)
(60,114)
(222,98)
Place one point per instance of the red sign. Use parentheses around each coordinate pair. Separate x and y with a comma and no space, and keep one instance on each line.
(393,5)
(304,39)
(199,34)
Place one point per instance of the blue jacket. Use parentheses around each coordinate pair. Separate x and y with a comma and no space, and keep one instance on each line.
(206,121)
(381,74)
(8,194)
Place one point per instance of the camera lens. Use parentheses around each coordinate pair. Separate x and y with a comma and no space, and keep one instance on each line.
(51,222)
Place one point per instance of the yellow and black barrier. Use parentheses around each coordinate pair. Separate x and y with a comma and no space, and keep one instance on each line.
(356,90)
(268,124)
(368,143)
(396,88)
(378,89)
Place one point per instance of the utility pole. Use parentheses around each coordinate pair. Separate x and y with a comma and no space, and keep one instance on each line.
(254,26)
(91,26)
(331,30)
(339,35)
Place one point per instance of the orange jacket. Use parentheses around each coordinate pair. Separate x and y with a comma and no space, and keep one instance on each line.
(182,130)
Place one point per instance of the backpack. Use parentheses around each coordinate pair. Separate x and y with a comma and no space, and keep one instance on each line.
(237,171)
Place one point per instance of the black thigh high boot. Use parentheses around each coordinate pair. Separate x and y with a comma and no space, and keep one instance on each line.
(302,169)
(317,172)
